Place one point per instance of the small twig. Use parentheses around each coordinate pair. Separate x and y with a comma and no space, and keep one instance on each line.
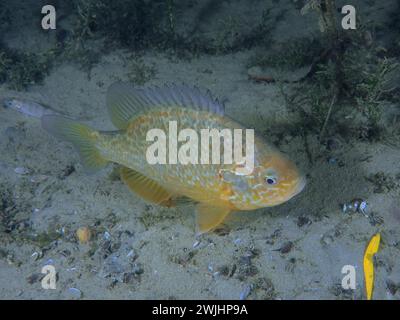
(324,56)
(267,79)
(307,148)
(328,115)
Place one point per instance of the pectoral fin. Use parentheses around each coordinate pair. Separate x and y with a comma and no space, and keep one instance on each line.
(147,188)
(208,217)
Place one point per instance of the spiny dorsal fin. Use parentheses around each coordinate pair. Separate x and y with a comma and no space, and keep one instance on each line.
(208,217)
(124,101)
(147,188)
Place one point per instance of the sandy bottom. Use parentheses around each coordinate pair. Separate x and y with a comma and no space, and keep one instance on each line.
(141,251)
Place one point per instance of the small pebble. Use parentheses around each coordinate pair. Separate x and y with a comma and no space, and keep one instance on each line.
(36,255)
(355,205)
(128,277)
(39,178)
(35,277)
(72,269)
(245,292)
(286,247)
(362,206)
(83,235)
(138,269)
(196,244)
(392,287)
(74,293)
(332,160)
(302,221)
(106,235)
(61,231)
(21,170)
(326,240)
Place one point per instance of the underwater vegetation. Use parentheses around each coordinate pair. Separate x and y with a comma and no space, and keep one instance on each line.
(230,39)
(100,26)
(19,69)
(130,23)
(139,72)
(294,54)
(4,17)
(348,80)
(141,24)
(134,25)
(345,87)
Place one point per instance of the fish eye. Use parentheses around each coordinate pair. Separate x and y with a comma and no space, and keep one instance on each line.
(270,180)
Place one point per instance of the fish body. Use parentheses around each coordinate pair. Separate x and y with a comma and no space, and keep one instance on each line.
(201,182)
(29,108)
(217,189)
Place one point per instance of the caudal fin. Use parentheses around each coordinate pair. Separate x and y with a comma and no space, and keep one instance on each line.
(80,135)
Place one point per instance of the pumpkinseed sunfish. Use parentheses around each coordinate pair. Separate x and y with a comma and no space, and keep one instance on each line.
(216,189)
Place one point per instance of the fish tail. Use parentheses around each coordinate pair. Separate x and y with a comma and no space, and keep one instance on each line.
(80,135)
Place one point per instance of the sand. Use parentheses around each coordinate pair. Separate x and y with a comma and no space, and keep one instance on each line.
(141,251)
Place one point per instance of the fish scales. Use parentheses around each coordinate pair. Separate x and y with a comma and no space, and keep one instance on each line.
(129,149)
(217,188)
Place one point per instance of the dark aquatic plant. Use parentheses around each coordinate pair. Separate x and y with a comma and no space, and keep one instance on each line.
(348,79)
(20,69)
(128,22)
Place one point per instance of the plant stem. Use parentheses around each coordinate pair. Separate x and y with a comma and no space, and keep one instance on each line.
(328,115)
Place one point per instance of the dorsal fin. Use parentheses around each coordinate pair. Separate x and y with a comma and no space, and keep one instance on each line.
(124,101)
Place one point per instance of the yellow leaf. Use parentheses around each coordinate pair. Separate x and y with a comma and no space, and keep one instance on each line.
(371,249)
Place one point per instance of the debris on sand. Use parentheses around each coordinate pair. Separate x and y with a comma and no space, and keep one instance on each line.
(355,205)
(74,293)
(245,292)
(21,170)
(83,234)
(285,248)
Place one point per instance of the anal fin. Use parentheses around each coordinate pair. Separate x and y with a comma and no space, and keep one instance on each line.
(147,188)
(208,217)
